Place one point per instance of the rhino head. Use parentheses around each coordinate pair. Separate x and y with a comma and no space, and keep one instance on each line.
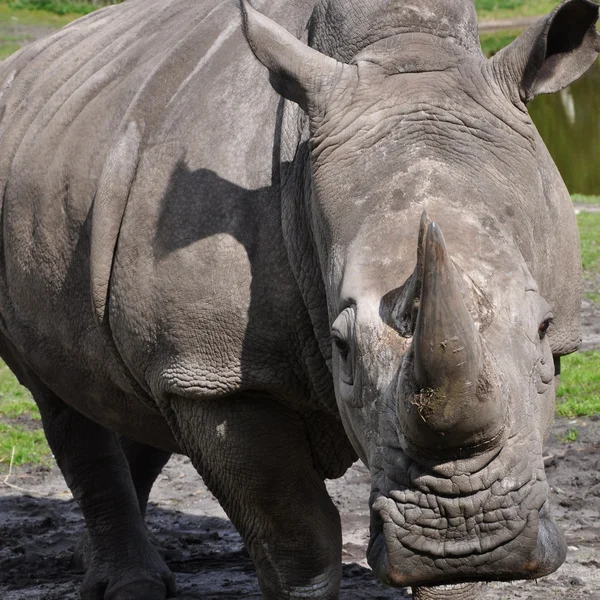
(450,257)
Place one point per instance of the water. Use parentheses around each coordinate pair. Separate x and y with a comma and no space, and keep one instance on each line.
(569,123)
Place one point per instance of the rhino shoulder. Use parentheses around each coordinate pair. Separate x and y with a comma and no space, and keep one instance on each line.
(107,214)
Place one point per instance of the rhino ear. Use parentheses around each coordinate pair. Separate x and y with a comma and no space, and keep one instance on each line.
(554,52)
(298,72)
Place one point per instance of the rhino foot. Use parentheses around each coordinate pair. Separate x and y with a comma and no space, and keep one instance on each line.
(152,581)
(82,552)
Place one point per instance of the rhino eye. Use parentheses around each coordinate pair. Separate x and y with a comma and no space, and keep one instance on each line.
(543,328)
(341,345)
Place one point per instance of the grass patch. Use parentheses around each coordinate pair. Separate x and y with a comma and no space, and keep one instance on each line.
(30,446)
(511,9)
(61,7)
(572,435)
(579,391)
(11,17)
(20,426)
(15,400)
(589,231)
(7,49)
(19,27)
(493,41)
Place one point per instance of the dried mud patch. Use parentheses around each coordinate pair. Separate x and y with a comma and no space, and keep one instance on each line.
(39,528)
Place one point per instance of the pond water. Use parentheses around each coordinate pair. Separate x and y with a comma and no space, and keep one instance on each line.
(569,123)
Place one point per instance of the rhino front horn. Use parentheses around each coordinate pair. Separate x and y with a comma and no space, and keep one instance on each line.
(454,404)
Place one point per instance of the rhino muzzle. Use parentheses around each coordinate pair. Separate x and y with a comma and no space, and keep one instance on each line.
(490,524)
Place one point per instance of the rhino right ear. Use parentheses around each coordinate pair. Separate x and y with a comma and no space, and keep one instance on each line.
(553,52)
(298,72)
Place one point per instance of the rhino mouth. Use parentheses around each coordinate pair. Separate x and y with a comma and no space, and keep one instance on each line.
(491,525)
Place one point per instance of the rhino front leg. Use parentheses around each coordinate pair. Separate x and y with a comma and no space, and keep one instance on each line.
(255,457)
(145,464)
(124,564)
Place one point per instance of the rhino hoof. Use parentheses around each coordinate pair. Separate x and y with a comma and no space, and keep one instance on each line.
(135,588)
(142,589)
(150,584)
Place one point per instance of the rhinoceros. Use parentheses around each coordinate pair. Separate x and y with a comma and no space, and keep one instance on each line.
(281,237)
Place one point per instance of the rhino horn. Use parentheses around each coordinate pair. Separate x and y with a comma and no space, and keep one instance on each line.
(446,341)
(448,360)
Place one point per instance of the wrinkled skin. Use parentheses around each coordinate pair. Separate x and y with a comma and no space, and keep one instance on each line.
(182,245)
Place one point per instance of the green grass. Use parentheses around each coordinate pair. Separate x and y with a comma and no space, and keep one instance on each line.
(589,230)
(15,400)
(579,391)
(511,9)
(6,49)
(61,7)
(19,424)
(572,435)
(29,445)
(18,27)
(493,41)
(10,16)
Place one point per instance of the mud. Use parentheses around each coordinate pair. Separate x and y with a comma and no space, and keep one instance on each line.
(40,523)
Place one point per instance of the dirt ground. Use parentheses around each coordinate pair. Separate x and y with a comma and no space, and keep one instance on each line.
(39,528)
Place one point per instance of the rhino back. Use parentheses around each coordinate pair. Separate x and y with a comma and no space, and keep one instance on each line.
(141,218)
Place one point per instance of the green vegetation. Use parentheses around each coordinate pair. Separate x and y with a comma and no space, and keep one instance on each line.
(511,9)
(62,7)
(589,229)
(29,445)
(11,18)
(15,400)
(579,391)
(493,41)
(572,435)
(19,27)
(20,426)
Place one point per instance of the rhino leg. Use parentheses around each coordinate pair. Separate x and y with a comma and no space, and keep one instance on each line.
(255,457)
(145,464)
(124,564)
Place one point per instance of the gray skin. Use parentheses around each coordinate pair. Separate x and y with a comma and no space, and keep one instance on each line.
(181,245)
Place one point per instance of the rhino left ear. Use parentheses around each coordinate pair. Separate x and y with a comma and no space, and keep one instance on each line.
(298,72)
(554,52)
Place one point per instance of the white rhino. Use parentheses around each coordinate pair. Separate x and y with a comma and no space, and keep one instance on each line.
(212,257)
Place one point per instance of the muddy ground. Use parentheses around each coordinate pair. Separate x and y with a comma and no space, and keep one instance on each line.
(39,527)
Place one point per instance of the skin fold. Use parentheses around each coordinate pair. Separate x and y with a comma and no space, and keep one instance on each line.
(275,238)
